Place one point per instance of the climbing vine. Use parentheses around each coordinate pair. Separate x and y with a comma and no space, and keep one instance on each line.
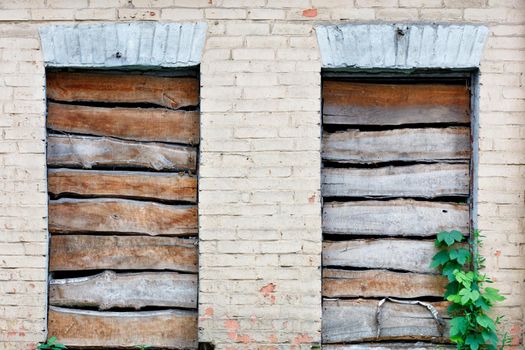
(471,328)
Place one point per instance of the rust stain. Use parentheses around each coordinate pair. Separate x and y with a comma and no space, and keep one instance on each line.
(310,12)
(208,313)
(311,199)
(232,325)
(273,338)
(497,253)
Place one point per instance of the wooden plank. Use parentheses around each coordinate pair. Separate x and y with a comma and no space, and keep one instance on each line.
(392,254)
(394,104)
(142,124)
(87,151)
(423,145)
(380,283)
(172,92)
(126,184)
(87,252)
(107,215)
(127,290)
(399,217)
(167,329)
(355,321)
(422,180)
(389,346)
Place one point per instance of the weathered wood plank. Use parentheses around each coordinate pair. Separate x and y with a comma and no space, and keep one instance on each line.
(394,104)
(108,215)
(391,346)
(132,184)
(355,320)
(422,180)
(127,290)
(86,252)
(142,124)
(167,329)
(399,217)
(380,283)
(172,92)
(393,254)
(424,145)
(86,152)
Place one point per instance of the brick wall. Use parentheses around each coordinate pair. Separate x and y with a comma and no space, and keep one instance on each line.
(259,189)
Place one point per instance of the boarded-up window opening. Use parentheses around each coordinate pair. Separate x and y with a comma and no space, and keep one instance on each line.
(122,152)
(396,170)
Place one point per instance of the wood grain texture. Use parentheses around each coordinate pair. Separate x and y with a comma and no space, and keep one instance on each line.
(127,290)
(380,283)
(399,217)
(355,321)
(86,152)
(389,346)
(394,104)
(125,184)
(423,145)
(394,254)
(172,92)
(422,180)
(107,215)
(167,329)
(86,252)
(139,124)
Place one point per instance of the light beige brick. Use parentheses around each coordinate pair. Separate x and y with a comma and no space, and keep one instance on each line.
(139,14)
(181,14)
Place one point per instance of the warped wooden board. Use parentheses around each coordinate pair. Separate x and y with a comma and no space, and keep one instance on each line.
(355,320)
(422,180)
(127,290)
(87,151)
(126,184)
(391,346)
(392,254)
(167,329)
(109,215)
(142,124)
(87,252)
(399,217)
(423,145)
(172,92)
(394,104)
(380,283)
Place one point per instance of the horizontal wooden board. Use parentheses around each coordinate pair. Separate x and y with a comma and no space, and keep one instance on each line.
(392,254)
(109,215)
(87,151)
(167,329)
(126,184)
(142,124)
(399,217)
(394,104)
(127,290)
(172,92)
(380,283)
(422,180)
(423,145)
(389,346)
(87,252)
(355,321)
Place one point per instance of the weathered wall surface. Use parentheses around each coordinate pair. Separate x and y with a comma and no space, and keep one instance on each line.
(260,164)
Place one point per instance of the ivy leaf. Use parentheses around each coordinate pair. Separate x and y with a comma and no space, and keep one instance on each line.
(461,255)
(474,341)
(449,237)
(486,322)
(490,336)
(464,278)
(492,295)
(458,326)
(467,295)
(481,303)
(452,288)
(455,298)
(439,259)
(449,269)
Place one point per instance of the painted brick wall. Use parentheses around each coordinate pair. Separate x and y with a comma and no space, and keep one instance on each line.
(259,191)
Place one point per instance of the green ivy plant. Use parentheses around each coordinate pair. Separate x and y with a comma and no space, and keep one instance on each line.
(51,344)
(471,328)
